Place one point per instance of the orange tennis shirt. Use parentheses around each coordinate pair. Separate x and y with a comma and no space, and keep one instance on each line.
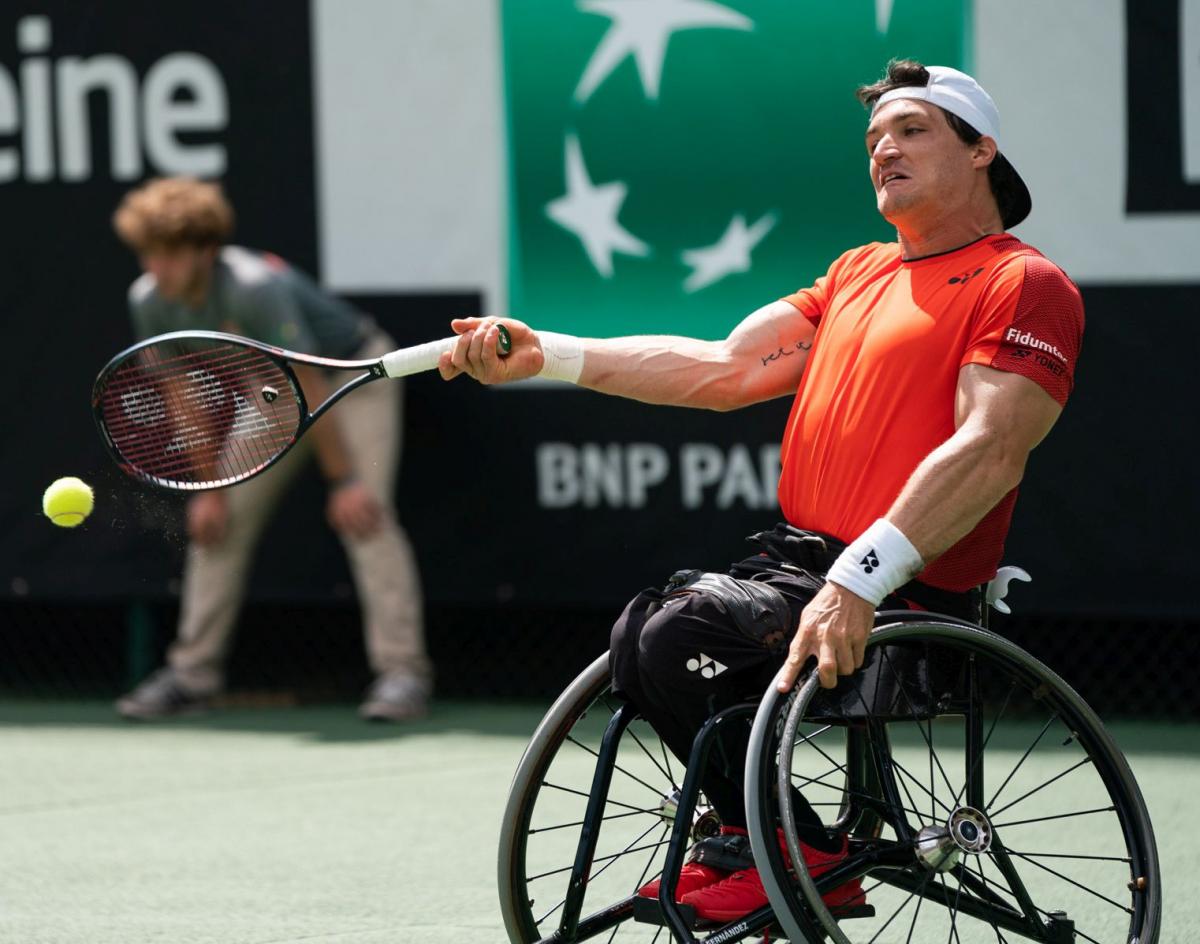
(878,391)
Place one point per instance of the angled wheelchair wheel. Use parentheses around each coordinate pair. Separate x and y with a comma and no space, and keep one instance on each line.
(574,849)
(983,799)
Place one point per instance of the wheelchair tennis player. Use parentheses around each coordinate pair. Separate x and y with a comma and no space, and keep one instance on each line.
(923,372)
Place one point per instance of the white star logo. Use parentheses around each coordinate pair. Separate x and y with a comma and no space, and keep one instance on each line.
(883,16)
(642,28)
(590,212)
(729,254)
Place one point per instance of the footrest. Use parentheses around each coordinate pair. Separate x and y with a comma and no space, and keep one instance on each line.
(853,911)
(648,911)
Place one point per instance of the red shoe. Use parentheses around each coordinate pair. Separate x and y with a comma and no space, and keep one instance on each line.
(743,892)
(694,875)
(847,895)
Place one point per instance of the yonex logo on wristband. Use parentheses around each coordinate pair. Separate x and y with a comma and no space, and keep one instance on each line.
(871,573)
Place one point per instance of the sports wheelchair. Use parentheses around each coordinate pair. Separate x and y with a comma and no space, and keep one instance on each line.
(983,799)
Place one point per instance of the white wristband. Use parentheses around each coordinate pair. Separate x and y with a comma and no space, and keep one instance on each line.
(880,561)
(564,356)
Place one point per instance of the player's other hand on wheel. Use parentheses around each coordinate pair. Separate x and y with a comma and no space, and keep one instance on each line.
(834,628)
(353,511)
(207,518)
(477,355)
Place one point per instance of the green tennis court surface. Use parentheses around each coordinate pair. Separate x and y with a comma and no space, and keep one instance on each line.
(304,824)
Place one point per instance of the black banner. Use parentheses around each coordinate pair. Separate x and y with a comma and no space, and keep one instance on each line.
(534,497)
(105,101)
(1154,110)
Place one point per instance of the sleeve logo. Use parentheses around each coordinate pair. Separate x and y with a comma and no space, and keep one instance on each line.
(1028,339)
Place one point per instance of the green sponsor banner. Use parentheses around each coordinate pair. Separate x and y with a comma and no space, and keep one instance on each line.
(675,164)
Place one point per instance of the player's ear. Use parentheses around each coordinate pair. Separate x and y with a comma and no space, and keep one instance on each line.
(983,151)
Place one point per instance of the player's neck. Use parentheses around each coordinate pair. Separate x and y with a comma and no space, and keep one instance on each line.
(929,237)
(197,293)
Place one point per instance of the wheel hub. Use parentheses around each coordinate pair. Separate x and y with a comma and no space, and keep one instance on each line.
(940,847)
(705,822)
(970,830)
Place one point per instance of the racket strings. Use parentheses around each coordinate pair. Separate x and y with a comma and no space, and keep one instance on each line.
(199,413)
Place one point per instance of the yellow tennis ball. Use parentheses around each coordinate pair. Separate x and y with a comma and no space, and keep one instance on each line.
(68,501)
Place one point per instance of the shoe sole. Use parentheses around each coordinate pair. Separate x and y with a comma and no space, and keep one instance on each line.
(135,712)
(387,713)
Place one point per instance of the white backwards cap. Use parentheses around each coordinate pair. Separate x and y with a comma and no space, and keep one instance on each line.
(961,95)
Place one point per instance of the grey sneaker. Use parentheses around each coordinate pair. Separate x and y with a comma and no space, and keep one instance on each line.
(161,696)
(397,696)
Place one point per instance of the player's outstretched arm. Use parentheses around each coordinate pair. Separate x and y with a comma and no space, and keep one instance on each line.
(762,358)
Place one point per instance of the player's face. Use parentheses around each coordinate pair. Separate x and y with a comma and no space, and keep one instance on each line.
(180,272)
(920,168)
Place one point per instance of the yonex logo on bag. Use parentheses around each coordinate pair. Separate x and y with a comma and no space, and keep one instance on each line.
(870,562)
(706,666)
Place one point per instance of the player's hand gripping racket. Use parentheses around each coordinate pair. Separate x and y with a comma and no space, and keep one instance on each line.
(194,410)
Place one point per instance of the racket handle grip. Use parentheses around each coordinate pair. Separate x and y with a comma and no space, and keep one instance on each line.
(422,357)
(415,359)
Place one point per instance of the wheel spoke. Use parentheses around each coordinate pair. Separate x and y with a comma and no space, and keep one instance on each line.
(986,893)
(653,759)
(819,778)
(840,788)
(953,911)
(928,741)
(842,767)
(549,829)
(1023,796)
(904,904)
(917,783)
(609,859)
(932,782)
(587,796)
(1028,751)
(655,790)
(903,781)
(662,746)
(649,862)
(983,878)
(550,912)
(916,914)
(812,735)
(1090,891)
(993,896)
(979,758)
(1044,819)
(878,735)
(1067,855)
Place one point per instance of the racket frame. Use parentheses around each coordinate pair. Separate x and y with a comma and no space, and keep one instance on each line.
(372,369)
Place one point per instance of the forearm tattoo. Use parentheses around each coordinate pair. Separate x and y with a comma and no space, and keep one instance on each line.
(786,352)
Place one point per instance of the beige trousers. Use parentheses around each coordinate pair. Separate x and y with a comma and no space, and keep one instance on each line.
(384,568)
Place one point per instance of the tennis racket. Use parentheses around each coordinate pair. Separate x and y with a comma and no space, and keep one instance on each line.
(195,410)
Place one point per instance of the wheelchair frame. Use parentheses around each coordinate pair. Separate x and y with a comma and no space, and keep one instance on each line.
(870,802)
